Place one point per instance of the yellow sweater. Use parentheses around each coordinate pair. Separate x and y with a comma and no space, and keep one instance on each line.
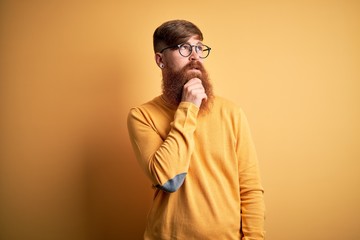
(204,168)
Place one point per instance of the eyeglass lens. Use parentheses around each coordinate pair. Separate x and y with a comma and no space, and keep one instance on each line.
(186,50)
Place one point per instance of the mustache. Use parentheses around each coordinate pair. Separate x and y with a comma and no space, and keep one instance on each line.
(194,64)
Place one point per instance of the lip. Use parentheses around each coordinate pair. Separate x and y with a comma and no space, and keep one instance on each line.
(195,68)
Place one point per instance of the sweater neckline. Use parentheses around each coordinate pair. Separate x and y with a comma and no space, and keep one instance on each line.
(167,104)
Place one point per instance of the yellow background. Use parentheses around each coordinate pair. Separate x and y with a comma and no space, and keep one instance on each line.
(70,71)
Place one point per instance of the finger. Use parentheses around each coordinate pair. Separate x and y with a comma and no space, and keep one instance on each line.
(195,94)
(198,94)
(193,87)
(193,81)
(189,88)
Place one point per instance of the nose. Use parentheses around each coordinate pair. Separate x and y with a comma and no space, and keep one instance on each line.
(194,55)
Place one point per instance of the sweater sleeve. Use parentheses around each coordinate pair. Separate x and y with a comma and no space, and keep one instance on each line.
(251,190)
(165,161)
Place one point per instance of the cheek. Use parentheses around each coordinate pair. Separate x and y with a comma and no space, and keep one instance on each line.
(177,64)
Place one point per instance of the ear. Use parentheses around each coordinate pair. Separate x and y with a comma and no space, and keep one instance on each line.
(159,60)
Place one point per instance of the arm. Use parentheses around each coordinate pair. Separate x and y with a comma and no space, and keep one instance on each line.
(251,191)
(166,162)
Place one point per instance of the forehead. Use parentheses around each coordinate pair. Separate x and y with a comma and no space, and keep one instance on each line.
(194,40)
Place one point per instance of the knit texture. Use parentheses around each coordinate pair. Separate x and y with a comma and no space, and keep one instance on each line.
(204,169)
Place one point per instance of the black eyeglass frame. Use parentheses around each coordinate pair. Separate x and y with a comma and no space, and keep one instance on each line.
(179,45)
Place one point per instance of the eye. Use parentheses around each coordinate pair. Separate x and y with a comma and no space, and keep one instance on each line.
(185,47)
(200,48)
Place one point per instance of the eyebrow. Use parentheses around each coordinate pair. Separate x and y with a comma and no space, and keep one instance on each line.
(199,42)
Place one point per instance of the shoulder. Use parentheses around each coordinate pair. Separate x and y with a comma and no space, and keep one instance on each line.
(232,113)
(152,111)
(224,104)
(224,101)
(229,110)
(147,107)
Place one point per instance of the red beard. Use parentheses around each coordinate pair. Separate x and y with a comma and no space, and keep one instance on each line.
(174,81)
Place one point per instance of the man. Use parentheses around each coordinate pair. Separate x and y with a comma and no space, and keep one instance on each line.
(196,148)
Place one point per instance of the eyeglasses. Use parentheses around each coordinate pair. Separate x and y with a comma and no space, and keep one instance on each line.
(185,49)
